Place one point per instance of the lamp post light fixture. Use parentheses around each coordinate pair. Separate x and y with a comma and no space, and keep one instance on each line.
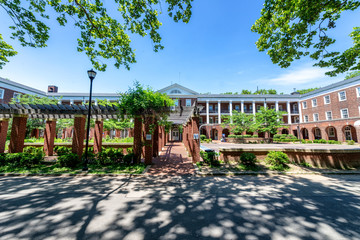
(92,75)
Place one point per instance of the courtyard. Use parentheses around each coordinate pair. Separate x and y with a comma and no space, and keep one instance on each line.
(180,207)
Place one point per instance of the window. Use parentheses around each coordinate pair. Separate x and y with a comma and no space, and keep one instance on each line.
(258,107)
(316,117)
(188,102)
(272,107)
(306,118)
(304,105)
(329,115)
(358,92)
(216,120)
(245,108)
(344,113)
(175,91)
(314,102)
(211,120)
(250,107)
(280,107)
(327,99)
(16,95)
(211,108)
(342,96)
(2,93)
(237,107)
(331,132)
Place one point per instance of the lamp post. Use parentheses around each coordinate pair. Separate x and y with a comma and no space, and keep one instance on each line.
(92,75)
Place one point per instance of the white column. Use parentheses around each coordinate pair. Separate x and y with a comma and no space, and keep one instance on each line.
(230,108)
(219,111)
(96,102)
(60,101)
(265,104)
(254,107)
(300,114)
(71,101)
(207,112)
(242,106)
(277,106)
(289,111)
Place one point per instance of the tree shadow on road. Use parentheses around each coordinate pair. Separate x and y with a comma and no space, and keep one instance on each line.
(187,207)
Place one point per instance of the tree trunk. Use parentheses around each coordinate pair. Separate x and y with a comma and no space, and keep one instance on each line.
(137,139)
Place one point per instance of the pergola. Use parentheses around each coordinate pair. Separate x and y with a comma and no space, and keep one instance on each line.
(188,116)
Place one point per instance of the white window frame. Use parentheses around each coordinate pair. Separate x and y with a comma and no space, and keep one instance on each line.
(2,92)
(325,99)
(187,101)
(176,102)
(258,107)
(306,118)
(15,96)
(312,102)
(342,115)
(327,117)
(357,92)
(331,134)
(211,120)
(339,93)
(316,119)
(304,105)
(237,108)
(280,108)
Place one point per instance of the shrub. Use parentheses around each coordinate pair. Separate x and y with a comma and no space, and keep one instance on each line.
(70,160)
(202,137)
(303,141)
(309,141)
(248,159)
(60,150)
(22,159)
(128,158)
(278,160)
(210,158)
(350,142)
(255,136)
(33,150)
(2,159)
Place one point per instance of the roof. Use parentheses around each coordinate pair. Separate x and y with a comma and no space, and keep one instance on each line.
(175,85)
(22,86)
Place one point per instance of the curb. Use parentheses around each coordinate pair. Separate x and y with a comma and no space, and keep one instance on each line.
(69,175)
(272,173)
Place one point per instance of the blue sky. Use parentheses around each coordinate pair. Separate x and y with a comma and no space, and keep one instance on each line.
(214,53)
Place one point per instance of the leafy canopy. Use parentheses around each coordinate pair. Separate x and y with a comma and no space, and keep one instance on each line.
(103,33)
(140,101)
(303,91)
(292,29)
(268,120)
(241,122)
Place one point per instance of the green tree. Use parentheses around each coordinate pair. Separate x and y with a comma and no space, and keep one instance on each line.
(139,102)
(104,33)
(241,122)
(244,91)
(292,29)
(303,91)
(352,74)
(268,120)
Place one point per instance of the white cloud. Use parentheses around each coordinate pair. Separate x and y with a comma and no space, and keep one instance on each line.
(299,76)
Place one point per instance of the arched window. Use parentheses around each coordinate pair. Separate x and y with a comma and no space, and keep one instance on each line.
(175,91)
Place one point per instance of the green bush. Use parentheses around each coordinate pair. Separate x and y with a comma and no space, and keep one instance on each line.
(350,142)
(333,142)
(255,136)
(128,158)
(210,158)
(202,137)
(70,160)
(248,159)
(60,150)
(23,159)
(322,141)
(278,160)
(2,159)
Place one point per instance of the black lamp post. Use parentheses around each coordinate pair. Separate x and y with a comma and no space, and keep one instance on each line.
(92,75)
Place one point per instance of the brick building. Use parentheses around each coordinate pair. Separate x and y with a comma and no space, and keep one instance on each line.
(331,112)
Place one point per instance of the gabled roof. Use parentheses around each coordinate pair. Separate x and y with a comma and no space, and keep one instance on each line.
(22,87)
(178,86)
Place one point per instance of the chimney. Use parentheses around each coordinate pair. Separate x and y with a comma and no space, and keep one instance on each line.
(52,89)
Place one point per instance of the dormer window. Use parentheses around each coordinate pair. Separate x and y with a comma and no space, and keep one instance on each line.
(175,91)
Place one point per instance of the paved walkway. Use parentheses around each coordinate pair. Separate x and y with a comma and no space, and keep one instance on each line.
(173,161)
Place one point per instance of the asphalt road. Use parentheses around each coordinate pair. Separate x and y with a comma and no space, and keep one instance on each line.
(243,207)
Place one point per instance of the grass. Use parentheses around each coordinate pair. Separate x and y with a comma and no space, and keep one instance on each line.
(57,169)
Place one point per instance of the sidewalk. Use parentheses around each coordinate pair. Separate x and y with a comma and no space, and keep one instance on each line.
(173,161)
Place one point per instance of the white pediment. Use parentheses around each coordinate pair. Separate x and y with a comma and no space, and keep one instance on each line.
(176,89)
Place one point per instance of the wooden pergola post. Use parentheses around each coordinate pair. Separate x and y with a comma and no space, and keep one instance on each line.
(18,131)
(156,140)
(79,135)
(49,136)
(98,132)
(4,124)
(149,137)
